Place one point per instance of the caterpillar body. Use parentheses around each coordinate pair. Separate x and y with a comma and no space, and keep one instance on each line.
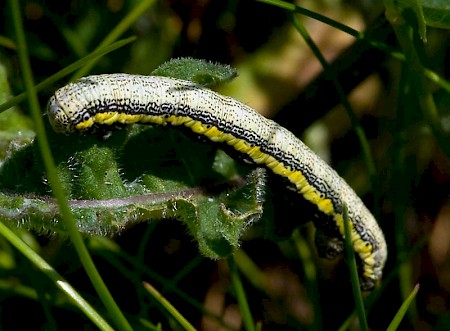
(126,99)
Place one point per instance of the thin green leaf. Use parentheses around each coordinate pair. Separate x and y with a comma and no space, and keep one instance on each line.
(403,309)
(169,307)
(351,260)
(130,266)
(64,72)
(241,296)
(425,98)
(57,279)
(433,76)
(118,30)
(309,267)
(250,270)
(57,189)
(167,182)
(399,9)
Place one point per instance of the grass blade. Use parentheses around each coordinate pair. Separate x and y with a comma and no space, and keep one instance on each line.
(241,296)
(120,28)
(57,279)
(53,179)
(354,273)
(403,309)
(169,307)
(66,71)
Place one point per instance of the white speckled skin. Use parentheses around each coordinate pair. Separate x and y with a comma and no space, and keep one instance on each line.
(107,99)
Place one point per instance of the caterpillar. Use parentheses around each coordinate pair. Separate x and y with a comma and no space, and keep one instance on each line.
(126,99)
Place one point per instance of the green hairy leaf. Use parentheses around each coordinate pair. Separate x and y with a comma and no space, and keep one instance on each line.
(139,175)
(197,71)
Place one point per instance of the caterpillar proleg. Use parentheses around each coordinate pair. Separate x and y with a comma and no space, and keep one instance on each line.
(126,99)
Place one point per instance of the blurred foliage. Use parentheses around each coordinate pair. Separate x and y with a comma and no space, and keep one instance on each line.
(279,76)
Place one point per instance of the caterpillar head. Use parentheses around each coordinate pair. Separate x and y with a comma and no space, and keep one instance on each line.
(66,109)
(59,119)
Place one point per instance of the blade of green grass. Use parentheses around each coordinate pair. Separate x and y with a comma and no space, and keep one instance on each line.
(7,43)
(66,71)
(51,273)
(387,280)
(120,28)
(403,309)
(392,52)
(68,219)
(241,296)
(132,267)
(250,270)
(309,267)
(351,260)
(406,36)
(169,307)
(349,109)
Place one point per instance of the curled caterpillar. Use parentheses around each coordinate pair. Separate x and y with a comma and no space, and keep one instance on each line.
(127,99)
